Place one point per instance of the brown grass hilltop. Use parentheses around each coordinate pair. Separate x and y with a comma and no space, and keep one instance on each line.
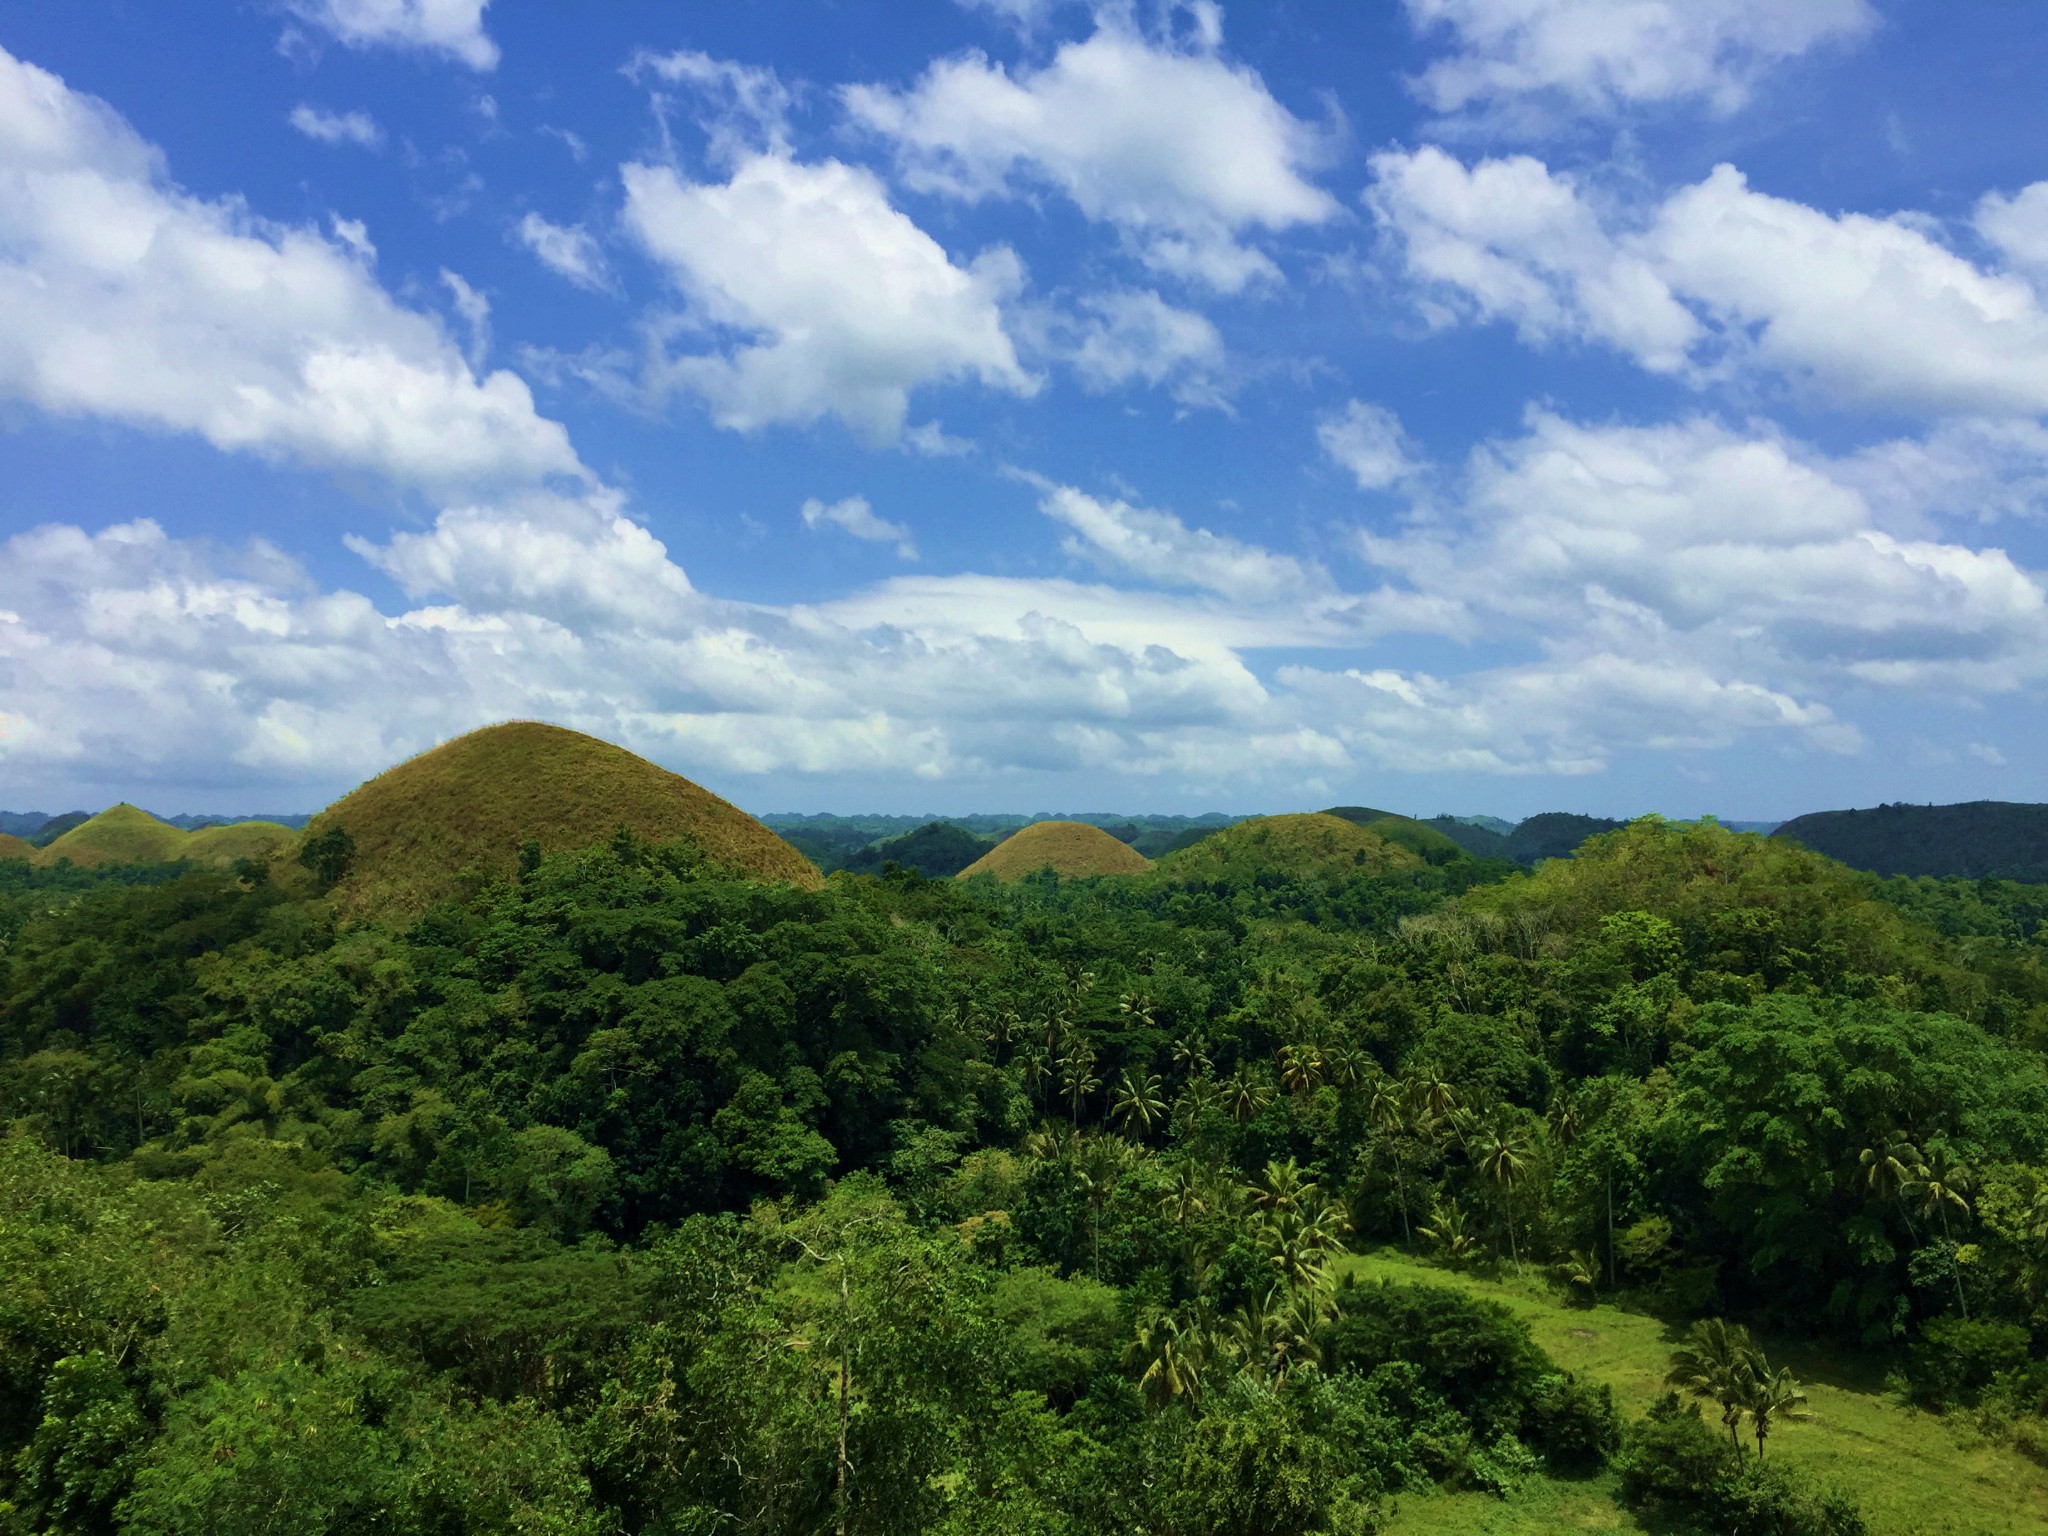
(1068,848)
(424,829)
(12,847)
(1314,846)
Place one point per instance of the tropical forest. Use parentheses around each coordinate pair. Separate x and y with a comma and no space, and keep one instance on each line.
(534,1142)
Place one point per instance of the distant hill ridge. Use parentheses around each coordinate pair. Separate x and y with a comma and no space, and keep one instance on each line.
(127,834)
(1977,840)
(425,828)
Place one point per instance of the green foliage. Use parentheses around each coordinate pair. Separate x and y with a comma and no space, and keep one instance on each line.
(328,854)
(620,1193)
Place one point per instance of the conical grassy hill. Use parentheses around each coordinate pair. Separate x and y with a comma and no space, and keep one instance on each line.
(428,827)
(1068,848)
(1315,846)
(124,834)
(12,847)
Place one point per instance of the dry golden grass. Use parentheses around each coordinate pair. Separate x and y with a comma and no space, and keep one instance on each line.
(12,847)
(1068,848)
(424,829)
(1313,846)
(221,846)
(121,834)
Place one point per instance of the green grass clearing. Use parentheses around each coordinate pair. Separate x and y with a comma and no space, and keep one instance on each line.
(1914,1474)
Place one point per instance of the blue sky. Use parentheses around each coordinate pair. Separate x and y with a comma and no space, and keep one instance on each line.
(1470,405)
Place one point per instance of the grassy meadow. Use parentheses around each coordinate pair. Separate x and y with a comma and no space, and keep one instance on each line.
(1912,1473)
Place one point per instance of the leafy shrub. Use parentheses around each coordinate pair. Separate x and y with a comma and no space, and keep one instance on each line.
(1478,1358)
(1956,1358)
(1674,1467)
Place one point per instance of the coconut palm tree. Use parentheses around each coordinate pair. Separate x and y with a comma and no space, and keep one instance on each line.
(1387,1108)
(1447,1232)
(1943,1185)
(1246,1094)
(1432,1097)
(1191,1055)
(1099,1165)
(1718,1361)
(1301,1067)
(1772,1395)
(1173,1352)
(1345,1066)
(1138,1101)
(1500,1151)
(1077,1077)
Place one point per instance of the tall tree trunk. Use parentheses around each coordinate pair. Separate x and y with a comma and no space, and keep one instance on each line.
(1613,1274)
(1957,1271)
(845,1378)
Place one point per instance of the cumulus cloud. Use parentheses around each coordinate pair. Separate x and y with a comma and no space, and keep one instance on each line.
(1535,58)
(1134,336)
(357,128)
(1737,551)
(1719,279)
(1510,240)
(122,296)
(1161,548)
(569,251)
(835,302)
(1187,154)
(1369,441)
(143,657)
(2017,227)
(853,515)
(1669,588)
(454,28)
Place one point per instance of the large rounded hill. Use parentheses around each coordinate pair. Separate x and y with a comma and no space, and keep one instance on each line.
(1314,846)
(428,827)
(1068,848)
(12,847)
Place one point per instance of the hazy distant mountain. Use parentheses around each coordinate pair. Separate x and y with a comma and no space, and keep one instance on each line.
(1982,838)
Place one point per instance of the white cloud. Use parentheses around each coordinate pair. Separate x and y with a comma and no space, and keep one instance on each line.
(475,312)
(1131,335)
(1026,16)
(744,108)
(1369,441)
(451,27)
(357,128)
(1161,548)
(1720,280)
(1561,717)
(1966,470)
(2018,227)
(1187,154)
(1738,552)
(853,515)
(1601,56)
(931,441)
(1509,240)
(569,251)
(123,297)
(1667,589)
(836,302)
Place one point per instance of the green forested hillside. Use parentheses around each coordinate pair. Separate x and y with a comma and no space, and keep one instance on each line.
(622,1195)
(1984,839)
